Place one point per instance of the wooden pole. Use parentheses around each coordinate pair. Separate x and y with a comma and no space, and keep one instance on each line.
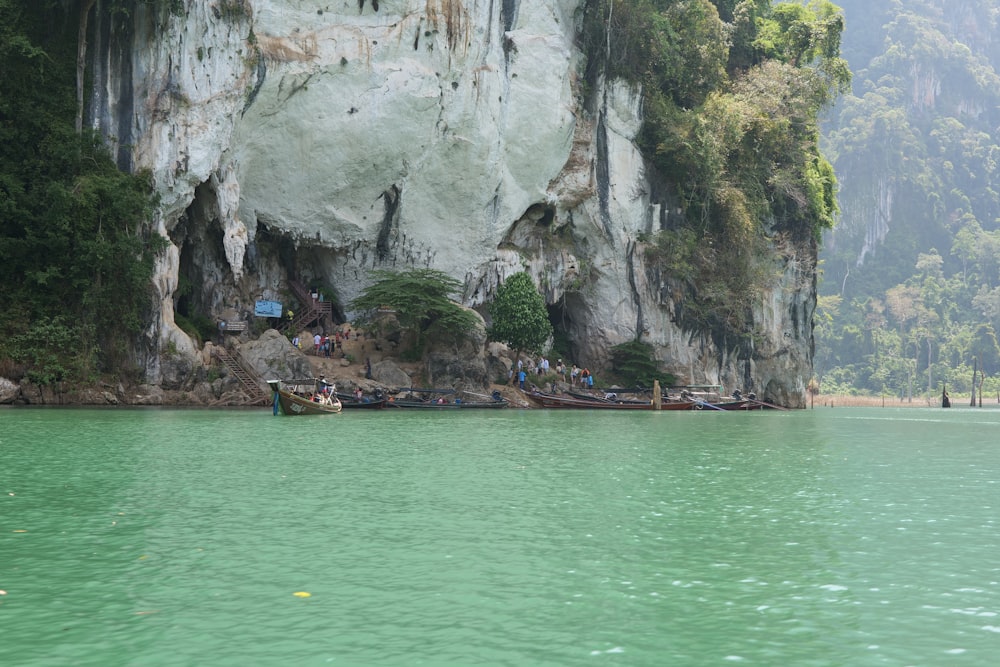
(657,398)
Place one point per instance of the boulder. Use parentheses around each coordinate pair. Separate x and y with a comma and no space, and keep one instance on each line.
(273,357)
(459,363)
(388,374)
(9,391)
(148,394)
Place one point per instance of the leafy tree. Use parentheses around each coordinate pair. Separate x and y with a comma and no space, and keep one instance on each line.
(519,316)
(419,298)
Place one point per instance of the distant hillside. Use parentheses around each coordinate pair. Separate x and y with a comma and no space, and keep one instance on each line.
(910,295)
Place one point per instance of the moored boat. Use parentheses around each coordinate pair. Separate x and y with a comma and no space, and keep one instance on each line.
(304,397)
(354,402)
(736,404)
(424,399)
(609,397)
(747,404)
(571,402)
(363,404)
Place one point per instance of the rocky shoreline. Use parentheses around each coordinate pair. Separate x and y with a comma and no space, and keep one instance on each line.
(360,362)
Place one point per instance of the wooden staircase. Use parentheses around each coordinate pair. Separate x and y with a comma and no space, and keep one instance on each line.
(250,382)
(310,310)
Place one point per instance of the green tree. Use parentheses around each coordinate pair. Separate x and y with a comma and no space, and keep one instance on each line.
(519,316)
(419,298)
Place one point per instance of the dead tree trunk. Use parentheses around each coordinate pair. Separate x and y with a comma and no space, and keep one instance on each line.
(975,369)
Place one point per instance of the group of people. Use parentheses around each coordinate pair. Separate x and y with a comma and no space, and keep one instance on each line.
(575,375)
(325,345)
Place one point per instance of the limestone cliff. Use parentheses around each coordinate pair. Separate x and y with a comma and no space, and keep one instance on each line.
(320,140)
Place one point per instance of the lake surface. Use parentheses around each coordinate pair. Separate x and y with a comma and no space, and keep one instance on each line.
(184,537)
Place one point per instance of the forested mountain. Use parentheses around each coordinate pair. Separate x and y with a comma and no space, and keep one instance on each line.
(910,294)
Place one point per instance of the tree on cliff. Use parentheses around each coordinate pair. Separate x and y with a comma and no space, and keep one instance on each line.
(420,301)
(519,316)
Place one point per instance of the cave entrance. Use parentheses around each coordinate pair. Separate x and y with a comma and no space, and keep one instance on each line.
(201,252)
(560,316)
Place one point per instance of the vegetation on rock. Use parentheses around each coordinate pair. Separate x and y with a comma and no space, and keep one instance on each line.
(732,93)
(419,301)
(76,255)
(634,365)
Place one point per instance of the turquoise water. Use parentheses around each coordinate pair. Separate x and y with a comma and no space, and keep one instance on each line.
(181,537)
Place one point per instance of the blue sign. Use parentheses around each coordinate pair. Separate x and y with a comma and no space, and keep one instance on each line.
(268,309)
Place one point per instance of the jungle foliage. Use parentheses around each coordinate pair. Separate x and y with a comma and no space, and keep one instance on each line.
(76,258)
(732,92)
(910,296)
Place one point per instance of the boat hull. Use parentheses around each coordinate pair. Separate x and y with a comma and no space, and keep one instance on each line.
(430,405)
(362,405)
(566,402)
(350,403)
(293,405)
(747,405)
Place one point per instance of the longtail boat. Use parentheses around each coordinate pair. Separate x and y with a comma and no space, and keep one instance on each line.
(424,399)
(571,402)
(747,404)
(304,397)
(351,402)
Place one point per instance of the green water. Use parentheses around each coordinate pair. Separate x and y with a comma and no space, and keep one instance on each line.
(180,537)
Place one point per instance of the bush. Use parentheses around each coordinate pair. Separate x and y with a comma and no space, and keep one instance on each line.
(635,365)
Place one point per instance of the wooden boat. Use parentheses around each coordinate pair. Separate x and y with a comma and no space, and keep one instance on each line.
(610,397)
(740,402)
(413,400)
(747,404)
(735,404)
(304,397)
(350,402)
(573,403)
(446,405)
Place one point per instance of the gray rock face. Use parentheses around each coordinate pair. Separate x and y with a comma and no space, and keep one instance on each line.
(273,357)
(459,364)
(387,373)
(318,141)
